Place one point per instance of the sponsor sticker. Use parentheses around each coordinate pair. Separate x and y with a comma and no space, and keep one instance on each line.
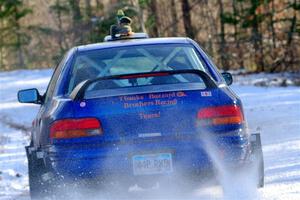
(82,104)
(206,94)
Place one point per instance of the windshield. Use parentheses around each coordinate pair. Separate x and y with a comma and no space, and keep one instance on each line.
(135,59)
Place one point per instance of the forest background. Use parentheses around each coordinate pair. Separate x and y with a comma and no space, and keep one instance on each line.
(248,35)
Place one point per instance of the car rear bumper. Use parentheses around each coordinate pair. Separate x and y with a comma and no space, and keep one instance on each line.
(116,159)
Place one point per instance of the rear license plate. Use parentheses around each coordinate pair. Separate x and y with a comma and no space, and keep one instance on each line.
(160,163)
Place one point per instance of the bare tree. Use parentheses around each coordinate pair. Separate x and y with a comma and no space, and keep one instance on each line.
(185,6)
(256,37)
(174,17)
(76,21)
(155,20)
(223,45)
(237,41)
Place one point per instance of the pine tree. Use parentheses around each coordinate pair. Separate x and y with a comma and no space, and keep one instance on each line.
(13,34)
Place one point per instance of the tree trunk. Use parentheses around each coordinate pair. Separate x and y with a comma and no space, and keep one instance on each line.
(223,45)
(153,12)
(289,55)
(21,63)
(240,58)
(272,25)
(76,14)
(141,19)
(1,45)
(60,37)
(76,21)
(88,9)
(174,18)
(257,38)
(185,6)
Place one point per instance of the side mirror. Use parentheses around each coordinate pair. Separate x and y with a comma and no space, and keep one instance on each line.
(227,77)
(29,96)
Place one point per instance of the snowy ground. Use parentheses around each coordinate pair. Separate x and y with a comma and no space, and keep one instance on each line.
(13,163)
(273,111)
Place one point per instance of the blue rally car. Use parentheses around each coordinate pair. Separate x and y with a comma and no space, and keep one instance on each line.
(135,109)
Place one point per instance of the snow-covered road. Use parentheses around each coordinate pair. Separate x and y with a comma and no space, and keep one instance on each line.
(273,111)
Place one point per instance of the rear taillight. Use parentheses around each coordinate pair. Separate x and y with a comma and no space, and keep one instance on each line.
(220,115)
(74,128)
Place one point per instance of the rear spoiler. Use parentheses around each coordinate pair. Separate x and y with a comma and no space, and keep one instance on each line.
(79,90)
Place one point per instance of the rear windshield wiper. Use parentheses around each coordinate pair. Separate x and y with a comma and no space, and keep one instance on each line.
(79,91)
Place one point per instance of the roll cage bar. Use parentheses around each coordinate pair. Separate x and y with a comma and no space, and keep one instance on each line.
(160,64)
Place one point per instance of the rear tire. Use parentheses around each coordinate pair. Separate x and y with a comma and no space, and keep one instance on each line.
(38,188)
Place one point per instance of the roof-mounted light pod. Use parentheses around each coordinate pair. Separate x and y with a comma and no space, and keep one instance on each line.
(108,38)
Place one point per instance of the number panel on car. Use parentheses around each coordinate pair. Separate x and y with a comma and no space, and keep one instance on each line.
(159,163)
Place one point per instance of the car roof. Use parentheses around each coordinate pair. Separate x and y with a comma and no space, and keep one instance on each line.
(133,42)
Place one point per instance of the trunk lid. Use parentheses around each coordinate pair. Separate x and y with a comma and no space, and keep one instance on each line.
(147,114)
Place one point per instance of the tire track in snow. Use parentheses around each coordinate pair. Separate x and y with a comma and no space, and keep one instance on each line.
(13,162)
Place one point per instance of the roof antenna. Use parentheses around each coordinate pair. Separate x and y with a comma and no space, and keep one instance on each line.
(123,26)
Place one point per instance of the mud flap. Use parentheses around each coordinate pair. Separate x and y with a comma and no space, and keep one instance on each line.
(39,188)
(257,156)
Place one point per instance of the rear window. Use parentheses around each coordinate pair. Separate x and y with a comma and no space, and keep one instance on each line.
(136,59)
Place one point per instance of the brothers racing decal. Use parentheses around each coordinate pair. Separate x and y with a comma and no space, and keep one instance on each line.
(153,99)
